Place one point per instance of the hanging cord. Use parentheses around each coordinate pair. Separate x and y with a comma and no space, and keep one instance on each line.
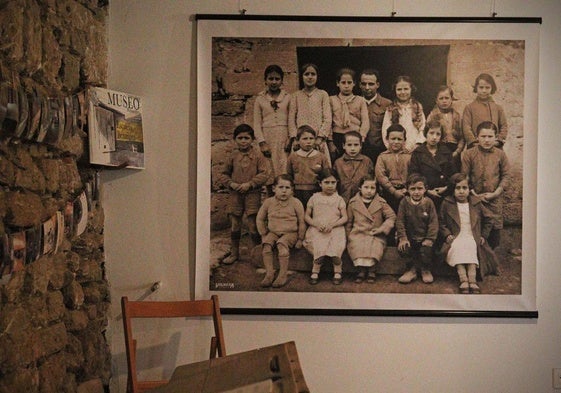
(394,12)
(241,10)
(493,11)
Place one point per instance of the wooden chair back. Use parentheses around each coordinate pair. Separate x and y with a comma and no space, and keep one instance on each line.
(167,309)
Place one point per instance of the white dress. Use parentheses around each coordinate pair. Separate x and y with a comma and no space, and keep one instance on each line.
(326,209)
(464,248)
(415,135)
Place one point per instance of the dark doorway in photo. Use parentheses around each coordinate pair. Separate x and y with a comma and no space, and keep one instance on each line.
(427,65)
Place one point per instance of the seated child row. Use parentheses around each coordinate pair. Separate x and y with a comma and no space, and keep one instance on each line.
(338,222)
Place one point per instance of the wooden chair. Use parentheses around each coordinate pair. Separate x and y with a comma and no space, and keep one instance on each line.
(163,309)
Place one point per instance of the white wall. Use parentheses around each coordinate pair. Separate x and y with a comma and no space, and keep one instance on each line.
(150,220)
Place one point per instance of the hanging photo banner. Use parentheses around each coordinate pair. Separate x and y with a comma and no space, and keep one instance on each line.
(368,99)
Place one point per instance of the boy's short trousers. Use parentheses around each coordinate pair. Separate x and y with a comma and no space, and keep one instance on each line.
(287,239)
(248,203)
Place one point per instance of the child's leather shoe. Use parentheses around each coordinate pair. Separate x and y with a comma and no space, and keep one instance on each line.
(408,276)
(427,277)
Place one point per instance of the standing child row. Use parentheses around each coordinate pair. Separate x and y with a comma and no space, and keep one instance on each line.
(278,115)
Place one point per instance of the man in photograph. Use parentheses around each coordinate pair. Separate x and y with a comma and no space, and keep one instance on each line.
(369,85)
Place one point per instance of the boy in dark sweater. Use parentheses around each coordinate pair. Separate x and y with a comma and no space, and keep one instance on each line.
(417,229)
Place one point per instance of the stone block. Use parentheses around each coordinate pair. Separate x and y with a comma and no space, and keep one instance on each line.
(11,27)
(104,308)
(97,357)
(242,84)
(38,273)
(23,157)
(74,353)
(91,386)
(25,380)
(92,292)
(73,261)
(232,53)
(14,319)
(24,209)
(94,64)
(90,270)
(32,36)
(69,385)
(73,295)
(3,206)
(27,174)
(51,206)
(73,145)
(50,340)
(15,352)
(223,127)
(69,176)
(37,151)
(512,213)
(7,172)
(89,242)
(52,54)
(12,291)
(55,306)
(227,107)
(65,245)
(218,216)
(61,275)
(52,374)
(91,311)
(75,320)
(78,40)
(51,172)
(36,307)
(97,220)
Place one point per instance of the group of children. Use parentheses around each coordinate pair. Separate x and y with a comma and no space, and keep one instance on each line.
(426,192)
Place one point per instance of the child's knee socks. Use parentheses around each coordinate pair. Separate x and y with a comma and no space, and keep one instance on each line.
(471,271)
(284,255)
(235,237)
(462,273)
(316,266)
(337,265)
(268,264)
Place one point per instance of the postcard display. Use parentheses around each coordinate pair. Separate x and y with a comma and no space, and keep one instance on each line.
(115,128)
(233,51)
(34,117)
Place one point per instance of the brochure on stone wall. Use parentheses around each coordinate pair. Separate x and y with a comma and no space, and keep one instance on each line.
(115,128)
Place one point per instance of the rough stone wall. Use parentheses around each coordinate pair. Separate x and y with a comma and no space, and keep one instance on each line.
(238,66)
(53,310)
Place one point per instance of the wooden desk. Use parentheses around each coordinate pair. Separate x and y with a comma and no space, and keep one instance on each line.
(274,369)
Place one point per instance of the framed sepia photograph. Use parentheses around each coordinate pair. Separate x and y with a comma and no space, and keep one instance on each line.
(367,166)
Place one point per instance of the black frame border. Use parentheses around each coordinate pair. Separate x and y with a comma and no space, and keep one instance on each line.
(413,19)
(380,313)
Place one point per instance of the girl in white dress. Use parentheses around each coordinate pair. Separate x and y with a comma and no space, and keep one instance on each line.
(326,215)
(464,224)
(407,111)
